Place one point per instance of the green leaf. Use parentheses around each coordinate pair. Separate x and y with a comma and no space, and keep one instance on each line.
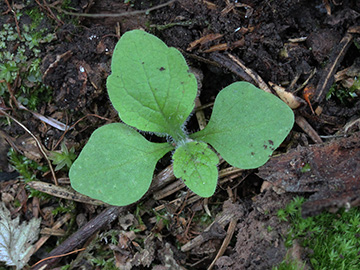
(150,85)
(62,158)
(116,165)
(247,125)
(195,163)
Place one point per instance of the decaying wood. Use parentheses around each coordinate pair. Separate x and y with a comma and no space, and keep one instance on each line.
(163,178)
(330,170)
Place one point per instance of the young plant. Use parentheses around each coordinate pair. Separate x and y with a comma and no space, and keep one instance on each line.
(153,90)
(63,158)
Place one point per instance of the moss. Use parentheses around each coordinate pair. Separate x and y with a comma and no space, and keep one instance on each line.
(333,240)
(21,57)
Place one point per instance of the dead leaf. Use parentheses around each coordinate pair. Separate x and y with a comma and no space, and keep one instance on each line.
(16,239)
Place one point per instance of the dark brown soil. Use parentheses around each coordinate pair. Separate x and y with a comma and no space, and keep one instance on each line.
(286,43)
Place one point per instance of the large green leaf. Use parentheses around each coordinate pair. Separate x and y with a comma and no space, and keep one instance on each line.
(116,165)
(195,163)
(150,85)
(247,125)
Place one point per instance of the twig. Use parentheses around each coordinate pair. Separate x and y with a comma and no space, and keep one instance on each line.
(301,121)
(131,13)
(225,62)
(168,190)
(71,127)
(16,21)
(327,77)
(38,144)
(222,221)
(192,198)
(200,116)
(313,72)
(49,11)
(48,120)
(163,178)
(80,237)
(178,184)
(229,235)
(106,217)
(256,77)
(56,226)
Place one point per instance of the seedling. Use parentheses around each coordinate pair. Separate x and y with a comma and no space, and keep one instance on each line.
(153,90)
(63,158)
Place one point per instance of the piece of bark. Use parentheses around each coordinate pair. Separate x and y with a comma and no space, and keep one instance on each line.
(330,170)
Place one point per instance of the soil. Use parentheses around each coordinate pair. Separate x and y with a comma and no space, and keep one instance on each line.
(291,44)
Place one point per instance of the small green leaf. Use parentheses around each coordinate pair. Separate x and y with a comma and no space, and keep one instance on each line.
(150,85)
(247,125)
(195,163)
(116,165)
(62,158)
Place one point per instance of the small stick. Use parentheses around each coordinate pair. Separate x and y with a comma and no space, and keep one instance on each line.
(168,190)
(56,226)
(80,236)
(162,179)
(198,240)
(327,77)
(200,116)
(225,62)
(301,121)
(256,77)
(82,118)
(178,184)
(229,235)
